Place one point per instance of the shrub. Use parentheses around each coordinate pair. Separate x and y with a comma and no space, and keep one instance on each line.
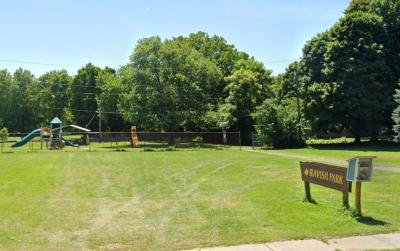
(170,149)
(277,125)
(3,137)
(198,141)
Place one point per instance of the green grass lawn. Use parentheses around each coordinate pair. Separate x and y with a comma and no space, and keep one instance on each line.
(387,155)
(174,200)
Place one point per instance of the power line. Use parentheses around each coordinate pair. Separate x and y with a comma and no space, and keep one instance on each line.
(78,66)
(89,111)
(80,94)
(280,61)
(90,93)
(37,63)
(94,115)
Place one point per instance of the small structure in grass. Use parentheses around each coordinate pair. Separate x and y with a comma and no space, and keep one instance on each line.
(198,141)
(3,137)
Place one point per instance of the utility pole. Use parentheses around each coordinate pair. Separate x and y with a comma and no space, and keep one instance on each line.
(297,90)
(297,86)
(99,111)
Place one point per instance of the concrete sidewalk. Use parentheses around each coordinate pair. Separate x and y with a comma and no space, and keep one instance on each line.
(375,242)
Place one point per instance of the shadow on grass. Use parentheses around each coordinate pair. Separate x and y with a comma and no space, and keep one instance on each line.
(312,201)
(165,147)
(365,146)
(6,152)
(368,220)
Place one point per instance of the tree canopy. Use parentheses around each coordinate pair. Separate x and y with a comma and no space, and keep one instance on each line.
(349,72)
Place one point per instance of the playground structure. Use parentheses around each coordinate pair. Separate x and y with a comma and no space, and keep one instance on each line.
(54,134)
(134,137)
(58,136)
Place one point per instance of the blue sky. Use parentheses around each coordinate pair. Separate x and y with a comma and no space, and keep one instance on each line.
(70,33)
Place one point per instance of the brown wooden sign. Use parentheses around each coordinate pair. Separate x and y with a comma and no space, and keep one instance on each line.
(325,175)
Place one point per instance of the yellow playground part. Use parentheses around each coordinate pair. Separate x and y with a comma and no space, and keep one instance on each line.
(134,137)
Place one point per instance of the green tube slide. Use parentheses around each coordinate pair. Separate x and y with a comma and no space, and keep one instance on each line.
(69,143)
(27,138)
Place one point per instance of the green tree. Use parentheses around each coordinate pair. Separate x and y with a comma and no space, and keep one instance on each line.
(248,87)
(84,90)
(224,55)
(356,62)
(111,88)
(389,11)
(171,86)
(49,97)
(348,79)
(5,97)
(314,57)
(277,124)
(22,116)
(293,85)
(217,49)
(3,137)
(59,83)
(144,70)
(40,102)
(277,84)
(316,89)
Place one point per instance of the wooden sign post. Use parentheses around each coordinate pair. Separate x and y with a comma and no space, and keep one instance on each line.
(358,197)
(325,175)
(359,170)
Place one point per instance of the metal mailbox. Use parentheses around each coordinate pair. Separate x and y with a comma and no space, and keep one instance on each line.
(360,168)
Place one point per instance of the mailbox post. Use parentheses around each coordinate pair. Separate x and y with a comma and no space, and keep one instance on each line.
(359,170)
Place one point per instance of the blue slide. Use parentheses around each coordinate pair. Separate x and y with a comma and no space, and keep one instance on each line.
(27,138)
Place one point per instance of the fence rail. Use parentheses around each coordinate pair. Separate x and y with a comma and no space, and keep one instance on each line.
(147,140)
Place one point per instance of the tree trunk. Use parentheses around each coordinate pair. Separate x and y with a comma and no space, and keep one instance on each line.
(375,135)
(357,132)
(374,138)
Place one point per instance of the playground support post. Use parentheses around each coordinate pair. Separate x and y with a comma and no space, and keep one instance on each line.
(60,139)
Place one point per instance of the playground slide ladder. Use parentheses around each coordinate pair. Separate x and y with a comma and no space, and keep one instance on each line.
(55,142)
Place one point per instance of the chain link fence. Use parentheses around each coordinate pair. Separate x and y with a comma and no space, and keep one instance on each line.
(122,141)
